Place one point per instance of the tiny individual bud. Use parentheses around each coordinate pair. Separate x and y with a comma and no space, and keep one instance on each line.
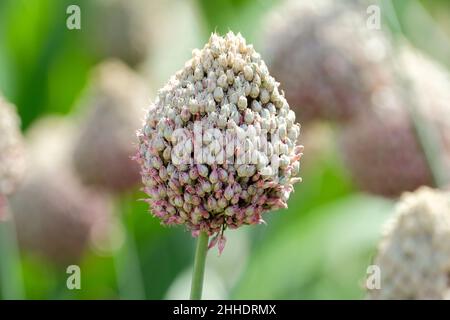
(218,94)
(202,170)
(178,201)
(163,174)
(222,81)
(214,176)
(193,173)
(254,92)
(265,96)
(248,116)
(248,73)
(229,192)
(242,103)
(206,186)
(185,115)
(184,178)
(223,175)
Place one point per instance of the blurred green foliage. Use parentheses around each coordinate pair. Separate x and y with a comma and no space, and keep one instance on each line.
(318,248)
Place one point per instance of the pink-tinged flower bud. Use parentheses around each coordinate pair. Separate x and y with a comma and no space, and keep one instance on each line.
(223,175)
(184,178)
(12,153)
(206,186)
(214,176)
(163,173)
(229,192)
(196,201)
(218,188)
(178,201)
(414,254)
(113,110)
(193,173)
(216,106)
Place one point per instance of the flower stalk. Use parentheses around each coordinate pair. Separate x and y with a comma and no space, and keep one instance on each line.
(199,266)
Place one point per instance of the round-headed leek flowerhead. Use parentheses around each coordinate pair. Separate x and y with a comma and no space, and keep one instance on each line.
(414,254)
(12,155)
(381,149)
(106,143)
(219,144)
(326,58)
(54,213)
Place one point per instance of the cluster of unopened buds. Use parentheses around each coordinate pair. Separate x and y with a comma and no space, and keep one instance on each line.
(219,145)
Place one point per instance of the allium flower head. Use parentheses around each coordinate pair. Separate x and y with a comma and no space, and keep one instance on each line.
(326,58)
(380,147)
(54,213)
(219,144)
(414,254)
(102,155)
(12,157)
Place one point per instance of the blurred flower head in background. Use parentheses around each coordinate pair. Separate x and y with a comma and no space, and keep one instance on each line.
(327,60)
(124,29)
(381,148)
(12,155)
(414,254)
(53,212)
(112,112)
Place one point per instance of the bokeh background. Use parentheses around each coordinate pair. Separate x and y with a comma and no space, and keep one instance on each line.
(319,248)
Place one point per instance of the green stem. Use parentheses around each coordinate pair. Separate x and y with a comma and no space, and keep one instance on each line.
(11,281)
(199,266)
(126,259)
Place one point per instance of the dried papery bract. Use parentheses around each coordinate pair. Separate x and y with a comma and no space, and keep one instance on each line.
(12,155)
(113,110)
(54,213)
(219,144)
(414,254)
(381,148)
(328,61)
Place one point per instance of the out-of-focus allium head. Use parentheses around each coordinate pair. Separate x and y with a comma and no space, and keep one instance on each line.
(381,149)
(103,151)
(414,254)
(54,213)
(123,29)
(219,144)
(326,58)
(12,155)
